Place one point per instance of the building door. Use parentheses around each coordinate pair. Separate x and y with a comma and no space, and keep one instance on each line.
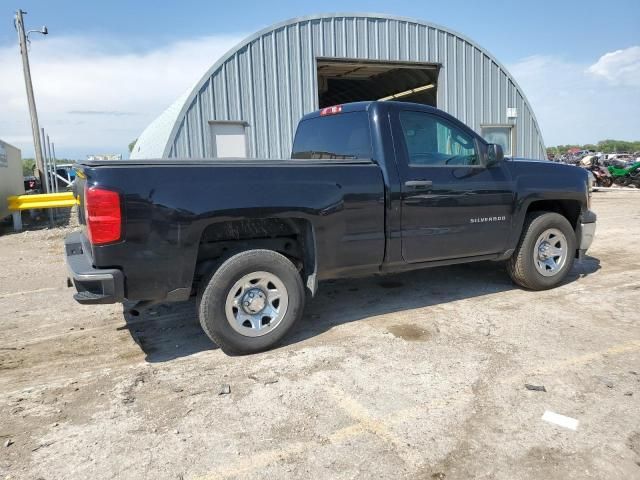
(353,80)
(229,139)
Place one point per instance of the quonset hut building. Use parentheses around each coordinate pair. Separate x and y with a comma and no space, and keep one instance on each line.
(249,102)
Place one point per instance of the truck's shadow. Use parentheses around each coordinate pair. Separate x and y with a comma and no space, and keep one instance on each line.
(165,332)
(168,331)
(344,301)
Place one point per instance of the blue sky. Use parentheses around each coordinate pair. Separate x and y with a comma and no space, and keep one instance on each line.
(554,49)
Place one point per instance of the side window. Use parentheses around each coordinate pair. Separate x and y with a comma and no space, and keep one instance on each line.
(432,141)
(341,136)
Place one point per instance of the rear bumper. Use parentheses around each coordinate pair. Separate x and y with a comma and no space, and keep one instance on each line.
(587,231)
(93,285)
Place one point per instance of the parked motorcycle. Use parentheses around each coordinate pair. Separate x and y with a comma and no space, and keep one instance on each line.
(626,176)
(601,175)
(635,178)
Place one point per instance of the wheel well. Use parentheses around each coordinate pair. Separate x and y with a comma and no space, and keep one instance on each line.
(570,209)
(293,238)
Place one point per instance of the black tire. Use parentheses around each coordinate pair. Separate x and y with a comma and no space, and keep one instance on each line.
(214,290)
(521,266)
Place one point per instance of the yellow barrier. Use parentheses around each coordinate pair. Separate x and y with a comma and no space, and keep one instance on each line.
(46,200)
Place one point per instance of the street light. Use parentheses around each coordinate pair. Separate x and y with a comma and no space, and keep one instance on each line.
(43,30)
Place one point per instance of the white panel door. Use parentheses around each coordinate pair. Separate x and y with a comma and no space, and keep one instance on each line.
(229,140)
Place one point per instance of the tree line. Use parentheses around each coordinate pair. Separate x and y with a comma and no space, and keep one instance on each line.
(604,146)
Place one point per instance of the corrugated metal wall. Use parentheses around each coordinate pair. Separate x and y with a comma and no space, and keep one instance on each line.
(270,81)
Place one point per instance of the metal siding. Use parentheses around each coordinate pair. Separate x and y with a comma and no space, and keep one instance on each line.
(295,82)
(360,33)
(432,45)
(393,39)
(284,72)
(270,81)
(383,40)
(327,32)
(527,129)
(476,82)
(263,81)
(178,145)
(248,113)
(271,89)
(403,41)
(461,88)
(199,129)
(471,85)
(519,131)
(372,38)
(206,113)
(421,47)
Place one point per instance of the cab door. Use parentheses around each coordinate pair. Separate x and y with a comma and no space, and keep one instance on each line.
(453,205)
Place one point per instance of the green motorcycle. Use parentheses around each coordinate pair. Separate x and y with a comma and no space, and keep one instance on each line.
(626,176)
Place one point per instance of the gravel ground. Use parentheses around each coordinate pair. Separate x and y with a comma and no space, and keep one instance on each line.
(418,376)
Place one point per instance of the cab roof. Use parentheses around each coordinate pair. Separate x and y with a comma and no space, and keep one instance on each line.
(367,106)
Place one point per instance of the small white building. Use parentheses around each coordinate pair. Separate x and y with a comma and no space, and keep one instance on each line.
(11,178)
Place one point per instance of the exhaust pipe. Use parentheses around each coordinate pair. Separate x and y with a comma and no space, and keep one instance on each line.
(139,307)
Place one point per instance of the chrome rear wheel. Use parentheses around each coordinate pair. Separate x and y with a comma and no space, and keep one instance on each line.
(256,304)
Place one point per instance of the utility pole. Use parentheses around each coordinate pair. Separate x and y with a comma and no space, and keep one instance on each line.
(35,126)
(54,170)
(45,162)
(47,178)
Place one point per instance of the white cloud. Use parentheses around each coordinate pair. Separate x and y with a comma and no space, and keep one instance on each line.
(573,104)
(90,100)
(621,67)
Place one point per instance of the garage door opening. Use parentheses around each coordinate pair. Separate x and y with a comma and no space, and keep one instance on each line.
(346,80)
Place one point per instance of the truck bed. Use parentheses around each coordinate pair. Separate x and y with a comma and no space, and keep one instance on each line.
(171,207)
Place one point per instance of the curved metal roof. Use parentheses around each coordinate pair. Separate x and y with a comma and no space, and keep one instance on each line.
(151,142)
(164,136)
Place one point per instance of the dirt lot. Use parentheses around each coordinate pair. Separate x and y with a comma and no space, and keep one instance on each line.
(420,375)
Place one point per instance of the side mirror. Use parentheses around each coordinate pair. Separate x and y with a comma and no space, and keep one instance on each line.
(495,156)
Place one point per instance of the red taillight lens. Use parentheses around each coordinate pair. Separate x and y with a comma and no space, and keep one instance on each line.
(103,215)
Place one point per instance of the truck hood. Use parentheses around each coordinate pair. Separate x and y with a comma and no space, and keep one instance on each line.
(522,159)
(535,165)
(544,173)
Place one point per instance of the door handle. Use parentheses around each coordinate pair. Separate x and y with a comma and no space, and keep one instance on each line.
(418,183)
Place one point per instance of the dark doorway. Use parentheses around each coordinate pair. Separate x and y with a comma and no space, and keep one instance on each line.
(352,80)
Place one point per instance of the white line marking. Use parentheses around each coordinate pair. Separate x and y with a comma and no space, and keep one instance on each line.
(560,420)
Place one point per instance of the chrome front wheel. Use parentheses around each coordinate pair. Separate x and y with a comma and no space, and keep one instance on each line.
(550,252)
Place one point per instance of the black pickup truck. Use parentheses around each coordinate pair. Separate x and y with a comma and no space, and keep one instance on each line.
(371,188)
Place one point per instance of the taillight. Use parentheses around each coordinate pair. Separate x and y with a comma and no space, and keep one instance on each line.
(103,215)
(331,110)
